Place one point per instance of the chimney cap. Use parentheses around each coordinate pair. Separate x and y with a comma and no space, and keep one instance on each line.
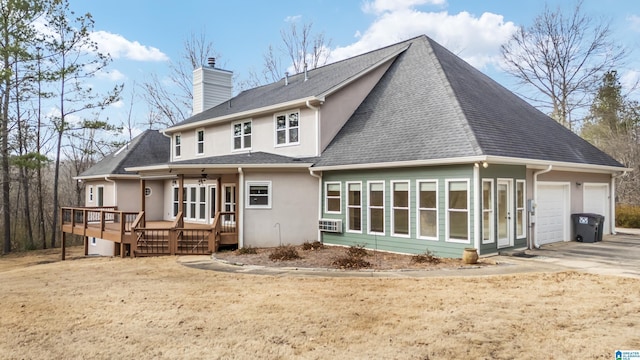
(211,62)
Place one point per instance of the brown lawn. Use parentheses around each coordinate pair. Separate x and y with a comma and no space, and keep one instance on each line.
(148,308)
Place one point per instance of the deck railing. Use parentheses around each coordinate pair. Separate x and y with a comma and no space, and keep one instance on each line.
(103,222)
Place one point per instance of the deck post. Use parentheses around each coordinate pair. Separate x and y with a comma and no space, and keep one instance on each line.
(86,245)
(143,197)
(181,197)
(63,243)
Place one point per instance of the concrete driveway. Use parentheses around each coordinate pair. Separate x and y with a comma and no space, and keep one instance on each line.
(616,255)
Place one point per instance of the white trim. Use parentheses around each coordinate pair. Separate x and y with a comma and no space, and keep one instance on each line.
(245,114)
(198,142)
(348,228)
(384,217)
(247,199)
(492,220)
(477,210)
(286,129)
(393,208)
(326,197)
(243,146)
(419,208)
(447,210)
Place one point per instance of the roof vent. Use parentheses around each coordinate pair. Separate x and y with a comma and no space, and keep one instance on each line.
(286,78)
(211,62)
(305,72)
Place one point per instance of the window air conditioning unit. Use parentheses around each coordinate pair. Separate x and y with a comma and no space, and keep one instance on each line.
(330,225)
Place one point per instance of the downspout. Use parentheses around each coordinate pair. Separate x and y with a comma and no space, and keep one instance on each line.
(317,120)
(535,198)
(115,190)
(239,209)
(319,177)
(476,208)
(612,202)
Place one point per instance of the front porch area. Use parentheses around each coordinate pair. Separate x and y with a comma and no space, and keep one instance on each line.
(133,235)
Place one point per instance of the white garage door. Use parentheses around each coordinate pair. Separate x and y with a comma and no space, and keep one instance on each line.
(596,200)
(552,213)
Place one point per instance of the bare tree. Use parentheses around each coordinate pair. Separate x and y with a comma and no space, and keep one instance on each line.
(300,47)
(172,104)
(562,56)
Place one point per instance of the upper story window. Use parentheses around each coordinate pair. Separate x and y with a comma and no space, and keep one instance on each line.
(287,128)
(199,141)
(177,145)
(241,135)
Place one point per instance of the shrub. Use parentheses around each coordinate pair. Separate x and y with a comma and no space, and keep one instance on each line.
(247,251)
(353,258)
(316,245)
(426,258)
(283,253)
(628,216)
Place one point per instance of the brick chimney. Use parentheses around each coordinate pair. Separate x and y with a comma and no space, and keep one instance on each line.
(211,86)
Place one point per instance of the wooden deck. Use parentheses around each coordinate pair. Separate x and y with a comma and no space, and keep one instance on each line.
(133,236)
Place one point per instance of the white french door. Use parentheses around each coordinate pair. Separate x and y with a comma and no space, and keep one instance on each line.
(504,212)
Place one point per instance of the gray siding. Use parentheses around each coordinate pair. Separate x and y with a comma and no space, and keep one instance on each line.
(387,242)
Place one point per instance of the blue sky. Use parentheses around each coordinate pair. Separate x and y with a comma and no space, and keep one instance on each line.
(144,35)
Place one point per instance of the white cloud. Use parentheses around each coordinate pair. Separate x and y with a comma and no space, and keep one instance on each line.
(293,19)
(475,39)
(634,22)
(112,75)
(119,47)
(380,6)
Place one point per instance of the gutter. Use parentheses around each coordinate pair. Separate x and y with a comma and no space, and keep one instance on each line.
(535,197)
(612,201)
(319,177)
(115,190)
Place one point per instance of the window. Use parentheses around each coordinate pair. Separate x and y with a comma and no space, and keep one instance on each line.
(354,207)
(202,203)
(376,207)
(199,141)
(176,201)
(177,141)
(259,194)
(147,191)
(90,189)
(192,203)
(400,211)
(428,210)
(521,214)
(242,135)
(333,199)
(94,242)
(287,128)
(487,211)
(458,211)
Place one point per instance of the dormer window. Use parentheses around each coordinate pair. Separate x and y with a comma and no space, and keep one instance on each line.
(241,135)
(177,142)
(287,128)
(200,142)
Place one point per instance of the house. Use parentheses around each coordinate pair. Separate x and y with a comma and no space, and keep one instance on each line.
(406,149)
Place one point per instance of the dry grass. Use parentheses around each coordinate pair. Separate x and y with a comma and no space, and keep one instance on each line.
(147,308)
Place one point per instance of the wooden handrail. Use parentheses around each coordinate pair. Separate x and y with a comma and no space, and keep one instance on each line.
(137,220)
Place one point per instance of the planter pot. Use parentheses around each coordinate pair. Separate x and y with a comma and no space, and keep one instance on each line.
(470,256)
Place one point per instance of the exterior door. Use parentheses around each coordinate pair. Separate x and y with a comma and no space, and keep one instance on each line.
(596,201)
(229,193)
(100,196)
(504,209)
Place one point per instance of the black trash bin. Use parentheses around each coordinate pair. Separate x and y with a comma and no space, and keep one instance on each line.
(587,227)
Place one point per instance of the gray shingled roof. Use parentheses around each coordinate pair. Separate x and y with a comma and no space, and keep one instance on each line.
(148,148)
(430,104)
(321,80)
(253,158)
